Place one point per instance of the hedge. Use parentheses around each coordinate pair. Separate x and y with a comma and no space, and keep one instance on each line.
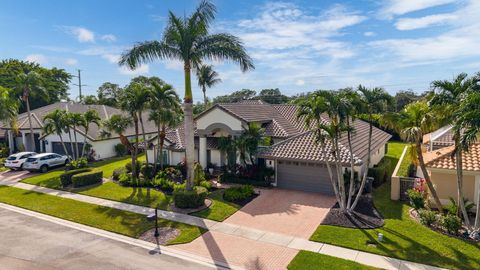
(234,194)
(87,178)
(190,199)
(66,177)
(231,178)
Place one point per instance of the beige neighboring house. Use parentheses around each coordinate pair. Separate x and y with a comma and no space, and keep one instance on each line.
(442,170)
(297,159)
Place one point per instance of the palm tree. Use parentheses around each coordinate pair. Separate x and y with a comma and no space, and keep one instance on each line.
(412,123)
(8,105)
(91,117)
(188,40)
(373,101)
(311,109)
(69,123)
(165,113)
(254,136)
(56,122)
(119,124)
(450,95)
(207,77)
(29,83)
(77,121)
(468,120)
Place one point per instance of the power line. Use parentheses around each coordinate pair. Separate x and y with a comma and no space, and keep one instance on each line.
(79,84)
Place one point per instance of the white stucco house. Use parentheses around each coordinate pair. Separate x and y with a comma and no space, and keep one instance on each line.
(295,156)
(102,147)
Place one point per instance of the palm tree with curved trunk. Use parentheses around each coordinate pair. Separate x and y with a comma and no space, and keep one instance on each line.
(188,39)
(56,122)
(91,117)
(207,77)
(372,101)
(412,123)
(28,83)
(69,122)
(165,113)
(119,124)
(77,121)
(450,95)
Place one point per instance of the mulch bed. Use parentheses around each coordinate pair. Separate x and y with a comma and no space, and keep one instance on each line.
(166,234)
(206,205)
(365,216)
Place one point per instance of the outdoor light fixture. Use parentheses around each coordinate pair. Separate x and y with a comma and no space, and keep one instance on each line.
(380,237)
(156,223)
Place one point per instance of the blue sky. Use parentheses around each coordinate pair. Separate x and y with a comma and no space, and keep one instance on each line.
(297,46)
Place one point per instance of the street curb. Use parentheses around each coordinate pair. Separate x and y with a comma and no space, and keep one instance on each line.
(124,239)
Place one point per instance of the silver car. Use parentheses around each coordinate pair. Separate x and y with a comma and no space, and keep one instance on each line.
(15,161)
(44,162)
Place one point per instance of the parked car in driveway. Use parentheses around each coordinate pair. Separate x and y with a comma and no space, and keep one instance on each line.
(44,162)
(15,161)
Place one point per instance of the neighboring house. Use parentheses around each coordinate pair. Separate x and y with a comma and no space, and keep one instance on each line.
(442,170)
(438,139)
(295,156)
(102,147)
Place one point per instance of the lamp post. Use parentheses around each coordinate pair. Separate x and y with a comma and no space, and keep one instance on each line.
(156,223)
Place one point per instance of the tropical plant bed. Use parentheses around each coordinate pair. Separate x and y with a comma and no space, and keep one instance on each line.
(365,216)
(462,233)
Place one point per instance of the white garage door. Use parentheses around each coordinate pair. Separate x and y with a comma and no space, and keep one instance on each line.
(304,176)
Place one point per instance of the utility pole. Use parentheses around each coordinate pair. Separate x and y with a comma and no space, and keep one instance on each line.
(79,84)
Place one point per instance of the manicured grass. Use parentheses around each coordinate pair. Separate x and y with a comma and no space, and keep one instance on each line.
(406,161)
(110,219)
(220,209)
(395,150)
(306,260)
(404,238)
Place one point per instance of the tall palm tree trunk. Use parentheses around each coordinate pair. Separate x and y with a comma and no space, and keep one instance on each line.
(351,189)
(32,139)
(84,141)
(63,143)
(71,142)
(364,176)
(162,141)
(76,142)
(330,173)
(144,135)
(418,147)
(341,181)
(155,151)
(135,149)
(459,165)
(477,214)
(205,100)
(189,135)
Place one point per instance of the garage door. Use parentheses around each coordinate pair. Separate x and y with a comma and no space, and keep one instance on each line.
(304,176)
(57,148)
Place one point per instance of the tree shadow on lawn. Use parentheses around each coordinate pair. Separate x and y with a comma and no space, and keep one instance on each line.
(136,223)
(144,197)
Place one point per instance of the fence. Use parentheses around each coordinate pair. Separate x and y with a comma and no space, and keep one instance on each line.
(406,183)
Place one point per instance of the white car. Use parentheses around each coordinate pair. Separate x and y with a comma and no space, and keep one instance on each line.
(15,161)
(44,162)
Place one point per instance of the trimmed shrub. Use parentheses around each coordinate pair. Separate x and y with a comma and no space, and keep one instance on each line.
(231,178)
(66,177)
(120,150)
(125,179)
(451,223)
(87,178)
(117,172)
(163,183)
(199,174)
(206,184)
(147,171)
(190,199)
(427,217)
(417,199)
(77,164)
(129,168)
(238,193)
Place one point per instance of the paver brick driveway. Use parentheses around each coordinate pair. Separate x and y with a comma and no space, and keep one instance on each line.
(283,211)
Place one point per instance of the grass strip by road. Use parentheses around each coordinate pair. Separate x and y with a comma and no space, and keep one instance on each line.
(307,260)
(105,218)
(403,238)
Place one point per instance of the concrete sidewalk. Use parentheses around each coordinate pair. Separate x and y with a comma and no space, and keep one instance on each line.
(233,230)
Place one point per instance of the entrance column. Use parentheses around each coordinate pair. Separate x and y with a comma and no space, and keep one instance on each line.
(202,154)
(24,141)
(10,141)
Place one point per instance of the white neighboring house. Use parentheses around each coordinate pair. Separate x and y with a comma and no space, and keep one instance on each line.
(295,155)
(102,147)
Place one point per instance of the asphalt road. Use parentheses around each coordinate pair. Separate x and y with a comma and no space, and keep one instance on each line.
(30,243)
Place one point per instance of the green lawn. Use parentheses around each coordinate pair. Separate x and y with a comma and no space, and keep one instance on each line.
(407,160)
(306,260)
(110,219)
(220,209)
(404,238)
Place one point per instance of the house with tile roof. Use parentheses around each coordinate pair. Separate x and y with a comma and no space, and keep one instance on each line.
(102,147)
(296,157)
(441,166)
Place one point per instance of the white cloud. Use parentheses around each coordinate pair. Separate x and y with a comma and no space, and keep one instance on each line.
(173,64)
(400,7)
(112,58)
(142,69)
(37,58)
(369,34)
(80,33)
(71,61)
(423,22)
(300,82)
(109,38)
